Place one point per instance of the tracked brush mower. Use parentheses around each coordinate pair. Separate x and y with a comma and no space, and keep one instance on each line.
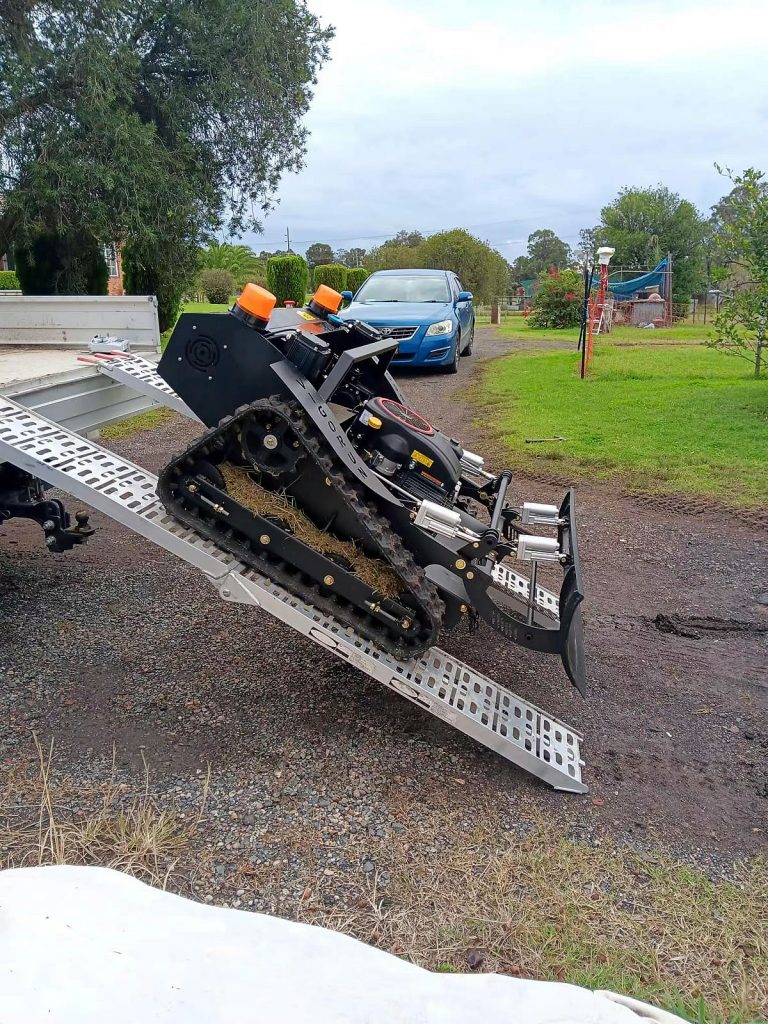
(316,472)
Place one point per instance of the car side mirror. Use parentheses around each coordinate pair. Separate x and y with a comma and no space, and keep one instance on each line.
(464,297)
(347,296)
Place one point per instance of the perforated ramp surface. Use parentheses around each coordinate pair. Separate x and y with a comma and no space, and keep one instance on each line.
(437,682)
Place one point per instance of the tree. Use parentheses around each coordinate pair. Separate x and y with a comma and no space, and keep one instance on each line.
(237,259)
(740,327)
(643,224)
(352,257)
(546,250)
(410,239)
(393,257)
(149,123)
(319,253)
(481,269)
(523,269)
(589,240)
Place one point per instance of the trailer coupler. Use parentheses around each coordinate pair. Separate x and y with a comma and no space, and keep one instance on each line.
(22,496)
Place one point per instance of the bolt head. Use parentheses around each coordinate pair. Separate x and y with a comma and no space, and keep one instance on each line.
(264,538)
(271,442)
(470,575)
(461,563)
(328,581)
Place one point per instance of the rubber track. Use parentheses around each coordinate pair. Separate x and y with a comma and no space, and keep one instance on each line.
(380,534)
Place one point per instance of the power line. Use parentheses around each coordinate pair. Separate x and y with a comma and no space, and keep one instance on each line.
(424,231)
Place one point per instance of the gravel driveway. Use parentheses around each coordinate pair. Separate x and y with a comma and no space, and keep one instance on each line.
(314,766)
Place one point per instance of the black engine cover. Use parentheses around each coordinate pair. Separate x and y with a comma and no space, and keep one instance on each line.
(408,440)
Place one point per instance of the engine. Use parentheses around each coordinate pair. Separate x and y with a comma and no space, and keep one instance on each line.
(402,446)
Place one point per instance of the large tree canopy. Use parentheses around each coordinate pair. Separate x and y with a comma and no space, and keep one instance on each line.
(481,269)
(545,251)
(643,224)
(318,254)
(143,121)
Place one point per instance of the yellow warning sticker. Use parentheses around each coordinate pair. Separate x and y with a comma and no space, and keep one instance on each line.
(422,458)
(304,315)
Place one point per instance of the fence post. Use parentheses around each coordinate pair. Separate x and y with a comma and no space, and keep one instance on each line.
(495,313)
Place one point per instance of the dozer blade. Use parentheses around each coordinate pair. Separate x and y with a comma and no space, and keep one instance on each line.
(540,620)
(571,596)
(572,632)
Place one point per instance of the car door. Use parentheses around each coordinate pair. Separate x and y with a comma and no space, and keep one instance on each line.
(463,309)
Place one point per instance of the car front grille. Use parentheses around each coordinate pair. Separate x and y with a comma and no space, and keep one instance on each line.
(398,333)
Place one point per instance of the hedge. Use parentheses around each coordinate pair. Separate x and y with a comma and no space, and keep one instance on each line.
(332,274)
(355,278)
(287,279)
(9,282)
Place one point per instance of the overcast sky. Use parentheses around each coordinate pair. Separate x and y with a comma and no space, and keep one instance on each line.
(503,116)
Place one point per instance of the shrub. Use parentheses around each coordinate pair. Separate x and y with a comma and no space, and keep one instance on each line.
(558,301)
(355,278)
(165,272)
(258,277)
(287,279)
(217,285)
(332,274)
(9,282)
(62,264)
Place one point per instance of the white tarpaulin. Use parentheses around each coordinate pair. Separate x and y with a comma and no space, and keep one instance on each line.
(91,946)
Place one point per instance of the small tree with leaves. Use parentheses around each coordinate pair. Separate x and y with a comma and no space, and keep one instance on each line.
(742,246)
(287,279)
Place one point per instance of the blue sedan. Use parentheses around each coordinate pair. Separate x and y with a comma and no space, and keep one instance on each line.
(426,311)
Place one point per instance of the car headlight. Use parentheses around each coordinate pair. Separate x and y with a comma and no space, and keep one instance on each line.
(444,327)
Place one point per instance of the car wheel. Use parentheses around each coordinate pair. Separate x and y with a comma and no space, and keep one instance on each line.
(468,350)
(453,366)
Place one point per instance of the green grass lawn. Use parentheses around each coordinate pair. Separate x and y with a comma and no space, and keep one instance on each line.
(206,307)
(517,328)
(663,419)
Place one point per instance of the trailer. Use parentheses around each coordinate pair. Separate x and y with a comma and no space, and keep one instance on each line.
(47,423)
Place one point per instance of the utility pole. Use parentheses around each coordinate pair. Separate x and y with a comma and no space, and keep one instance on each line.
(288,238)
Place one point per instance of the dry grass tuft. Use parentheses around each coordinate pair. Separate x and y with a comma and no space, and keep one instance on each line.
(112,825)
(547,907)
(274,503)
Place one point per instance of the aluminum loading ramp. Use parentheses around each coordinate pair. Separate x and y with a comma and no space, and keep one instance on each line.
(437,682)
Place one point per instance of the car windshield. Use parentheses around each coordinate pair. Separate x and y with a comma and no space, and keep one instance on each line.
(404,288)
